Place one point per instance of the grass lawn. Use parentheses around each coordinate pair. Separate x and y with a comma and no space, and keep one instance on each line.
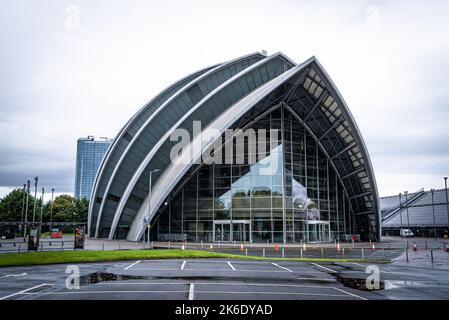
(52,257)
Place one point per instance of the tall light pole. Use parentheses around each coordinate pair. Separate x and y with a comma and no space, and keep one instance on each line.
(406,206)
(26,208)
(51,208)
(23,204)
(42,203)
(36,179)
(447,202)
(149,202)
(400,208)
(433,212)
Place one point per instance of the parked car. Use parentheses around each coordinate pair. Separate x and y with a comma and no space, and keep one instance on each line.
(406,233)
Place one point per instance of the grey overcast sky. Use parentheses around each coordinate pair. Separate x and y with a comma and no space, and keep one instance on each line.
(69,69)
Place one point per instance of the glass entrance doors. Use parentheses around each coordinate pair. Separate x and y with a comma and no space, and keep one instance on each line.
(237,230)
(318,231)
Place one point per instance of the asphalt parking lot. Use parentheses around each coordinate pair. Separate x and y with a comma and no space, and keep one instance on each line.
(219,279)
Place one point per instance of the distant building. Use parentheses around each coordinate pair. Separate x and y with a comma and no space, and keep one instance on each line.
(89,154)
(419,211)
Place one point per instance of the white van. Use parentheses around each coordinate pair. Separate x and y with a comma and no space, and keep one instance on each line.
(406,233)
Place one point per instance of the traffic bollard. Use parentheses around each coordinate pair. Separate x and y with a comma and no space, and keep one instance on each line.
(102,247)
(246,251)
(300,250)
(169,245)
(282,252)
(263,252)
(431,255)
(322,253)
(363,254)
(406,254)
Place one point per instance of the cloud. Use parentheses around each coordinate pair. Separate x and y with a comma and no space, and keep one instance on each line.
(388,58)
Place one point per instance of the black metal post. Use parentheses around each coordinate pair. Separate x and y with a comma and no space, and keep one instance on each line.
(433,212)
(447,202)
(406,206)
(36,179)
(23,204)
(400,210)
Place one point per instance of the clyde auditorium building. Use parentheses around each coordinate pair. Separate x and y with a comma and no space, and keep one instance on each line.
(319,185)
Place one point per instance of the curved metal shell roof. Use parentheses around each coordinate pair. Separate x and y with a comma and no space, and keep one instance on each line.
(219,97)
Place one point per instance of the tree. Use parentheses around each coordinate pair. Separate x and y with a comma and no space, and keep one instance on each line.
(11,206)
(65,208)
(68,209)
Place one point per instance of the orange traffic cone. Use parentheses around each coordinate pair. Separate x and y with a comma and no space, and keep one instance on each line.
(373,247)
(338,246)
(414,247)
(241,247)
(276,247)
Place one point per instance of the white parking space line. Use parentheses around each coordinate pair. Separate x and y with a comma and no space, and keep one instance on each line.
(102,292)
(183,265)
(363,266)
(323,267)
(13,275)
(274,293)
(275,264)
(132,265)
(219,284)
(351,294)
(232,267)
(192,291)
(316,279)
(25,291)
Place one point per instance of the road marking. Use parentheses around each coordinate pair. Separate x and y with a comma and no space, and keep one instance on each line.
(14,275)
(218,283)
(224,270)
(274,293)
(132,265)
(363,266)
(25,291)
(275,264)
(323,267)
(183,265)
(315,279)
(351,294)
(232,267)
(191,291)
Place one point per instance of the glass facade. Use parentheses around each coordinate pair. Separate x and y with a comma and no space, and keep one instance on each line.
(281,190)
(89,154)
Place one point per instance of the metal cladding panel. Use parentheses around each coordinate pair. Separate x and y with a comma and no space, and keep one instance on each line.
(208,110)
(161,121)
(124,137)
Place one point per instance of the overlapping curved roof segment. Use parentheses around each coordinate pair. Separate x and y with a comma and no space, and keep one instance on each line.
(218,96)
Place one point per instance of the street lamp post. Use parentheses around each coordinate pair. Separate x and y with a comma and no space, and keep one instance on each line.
(406,206)
(26,209)
(433,212)
(42,203)
(149,202)
(23,204)
(51,208)
(400,208)
(36,179)
(447,202)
